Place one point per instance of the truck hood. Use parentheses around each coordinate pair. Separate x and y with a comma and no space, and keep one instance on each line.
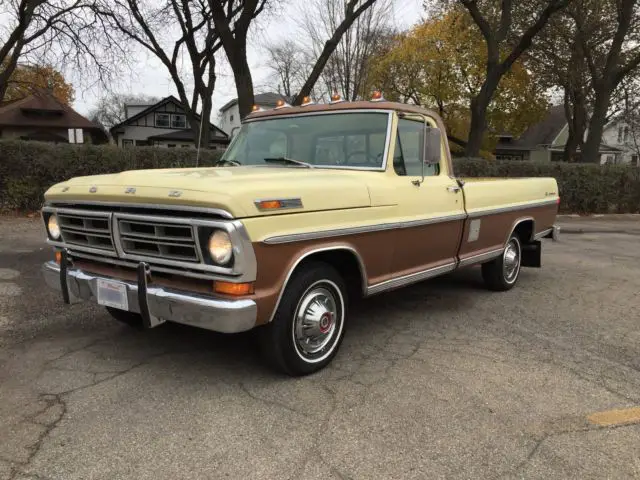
(234,189)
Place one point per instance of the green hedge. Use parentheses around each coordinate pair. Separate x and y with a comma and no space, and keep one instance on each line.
(584,188)
(28,169)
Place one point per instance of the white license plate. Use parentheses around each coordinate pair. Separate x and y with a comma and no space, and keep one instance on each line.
(112,294)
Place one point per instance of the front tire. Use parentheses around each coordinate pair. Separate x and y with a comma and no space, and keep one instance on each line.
(501,274)
(308,326)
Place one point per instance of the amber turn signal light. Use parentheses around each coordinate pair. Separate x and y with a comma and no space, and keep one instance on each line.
(269,204)
(58,256)
(229,288)
(377,96)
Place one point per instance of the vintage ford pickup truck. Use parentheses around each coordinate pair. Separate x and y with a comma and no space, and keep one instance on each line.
(309,207)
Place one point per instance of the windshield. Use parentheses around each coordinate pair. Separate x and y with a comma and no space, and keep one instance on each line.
(336,140)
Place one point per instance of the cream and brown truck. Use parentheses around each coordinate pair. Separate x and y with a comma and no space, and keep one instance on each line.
(309,207)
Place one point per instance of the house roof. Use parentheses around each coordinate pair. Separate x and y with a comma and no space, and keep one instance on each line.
(20,113)
(187,136)
(151,108)
(545,131)
(267,98)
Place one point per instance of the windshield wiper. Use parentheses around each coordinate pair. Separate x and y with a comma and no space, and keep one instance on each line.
(233,163)
(288,160)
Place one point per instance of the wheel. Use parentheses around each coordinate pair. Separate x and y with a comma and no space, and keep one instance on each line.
(502,273)
(131,319)
(308,326)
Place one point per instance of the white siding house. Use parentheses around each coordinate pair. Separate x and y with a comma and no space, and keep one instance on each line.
(620,135)
(230,120)
(163,124)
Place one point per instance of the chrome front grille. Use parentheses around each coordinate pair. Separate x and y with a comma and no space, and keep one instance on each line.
(166,239)
(87,230)
(157,239)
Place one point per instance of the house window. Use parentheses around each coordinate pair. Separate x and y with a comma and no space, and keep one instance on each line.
(163,120)
(127,143)
(178,121)
(626,134)
(610,160)
(620,133)
(171,145)
(231,118)
(635,160)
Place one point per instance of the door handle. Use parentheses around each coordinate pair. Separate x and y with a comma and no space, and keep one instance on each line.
(453,188)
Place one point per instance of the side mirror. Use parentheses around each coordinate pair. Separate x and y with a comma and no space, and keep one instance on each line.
(432,146)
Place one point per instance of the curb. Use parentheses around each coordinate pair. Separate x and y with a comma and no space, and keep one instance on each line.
(601,216)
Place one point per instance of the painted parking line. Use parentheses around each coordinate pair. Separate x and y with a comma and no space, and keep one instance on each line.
(623,416)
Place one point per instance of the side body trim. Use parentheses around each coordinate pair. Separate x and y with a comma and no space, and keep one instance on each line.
(513,208)
(411,278)
(481,258)
(298,237)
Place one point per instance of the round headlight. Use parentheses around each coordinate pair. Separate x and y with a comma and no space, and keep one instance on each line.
(53,227)
(220,247)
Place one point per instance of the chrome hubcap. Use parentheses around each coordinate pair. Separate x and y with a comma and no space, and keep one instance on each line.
(511,261)
(316,322)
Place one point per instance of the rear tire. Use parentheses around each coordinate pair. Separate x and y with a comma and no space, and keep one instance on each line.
(309,324)
(501,274)
(131,319)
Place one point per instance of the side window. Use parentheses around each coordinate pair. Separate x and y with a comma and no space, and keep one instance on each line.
(408,156)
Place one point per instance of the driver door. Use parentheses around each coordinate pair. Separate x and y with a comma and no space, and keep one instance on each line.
(430,209)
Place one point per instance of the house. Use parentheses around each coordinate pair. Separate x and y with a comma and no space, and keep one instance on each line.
(545,141)
(622,136)
(230,114)
(163,124)
(42,117)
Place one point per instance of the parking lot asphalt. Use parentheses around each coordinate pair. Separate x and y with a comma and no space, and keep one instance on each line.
(439,380)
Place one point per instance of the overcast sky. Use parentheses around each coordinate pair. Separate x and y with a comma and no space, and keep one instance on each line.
(151,78)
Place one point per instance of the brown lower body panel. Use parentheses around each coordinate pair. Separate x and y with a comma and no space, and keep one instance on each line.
(388,254)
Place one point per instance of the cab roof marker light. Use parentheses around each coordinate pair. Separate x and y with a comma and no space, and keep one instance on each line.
(377,96)
(306,101)
(257,108)
(336,98)
(281,104)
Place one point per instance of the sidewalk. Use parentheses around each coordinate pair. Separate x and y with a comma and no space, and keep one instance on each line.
(623,223)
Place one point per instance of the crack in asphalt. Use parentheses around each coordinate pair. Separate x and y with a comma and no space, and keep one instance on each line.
(58,399)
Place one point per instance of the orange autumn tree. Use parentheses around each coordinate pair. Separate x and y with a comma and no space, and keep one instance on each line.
(440,64)
(27,79)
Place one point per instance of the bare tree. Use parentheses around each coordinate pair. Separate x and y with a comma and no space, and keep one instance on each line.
(344,14)
(509,29)
(286,62)
(347,67)
(111,109)
(612,53)
(149,25)
(59,31)
(232,19)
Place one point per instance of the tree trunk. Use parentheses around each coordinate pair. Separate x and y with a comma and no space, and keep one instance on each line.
(576,114)
(591,151)
(205,138)
(479,106)
(244,83)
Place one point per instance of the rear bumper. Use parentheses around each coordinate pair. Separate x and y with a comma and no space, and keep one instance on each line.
(158,304)
(553,233)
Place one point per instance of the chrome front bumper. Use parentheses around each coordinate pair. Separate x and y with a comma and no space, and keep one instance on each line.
(158,304)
